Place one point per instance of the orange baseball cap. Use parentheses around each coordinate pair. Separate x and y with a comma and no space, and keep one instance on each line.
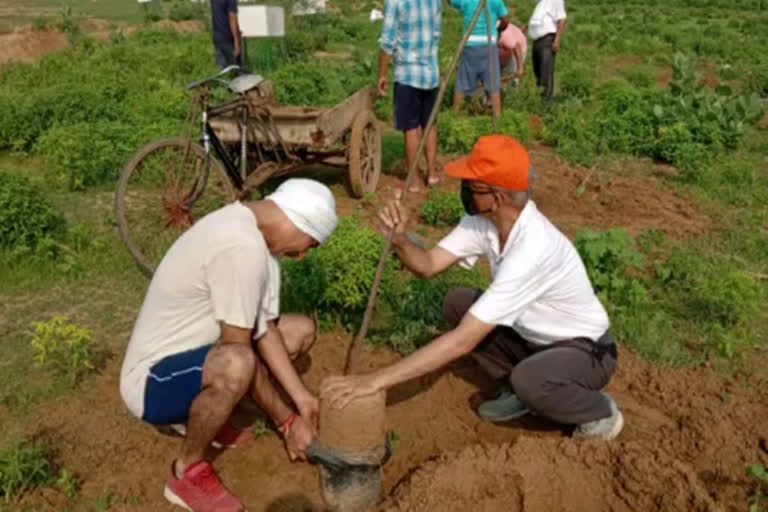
(495,160)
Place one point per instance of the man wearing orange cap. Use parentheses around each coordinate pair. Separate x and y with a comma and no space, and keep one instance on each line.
(539,328)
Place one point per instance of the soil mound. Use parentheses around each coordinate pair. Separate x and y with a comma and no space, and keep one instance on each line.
(553,474)
(688,439)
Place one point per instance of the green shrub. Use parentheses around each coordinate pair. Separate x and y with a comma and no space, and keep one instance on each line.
(758,501)
(577,82)
(442,209)
(26,217)
(571,128)
(24,465)
(63,348)
(87,154)
(334,280)
(184,10)
(416,309)
(460,133)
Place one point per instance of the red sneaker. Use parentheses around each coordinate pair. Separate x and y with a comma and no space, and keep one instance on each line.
(200,490)
(228,436)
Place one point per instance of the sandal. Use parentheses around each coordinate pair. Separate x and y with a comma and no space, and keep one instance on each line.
(435,180)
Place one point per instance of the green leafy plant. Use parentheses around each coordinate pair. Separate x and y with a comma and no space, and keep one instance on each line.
(63,348)
(23,466)
(68,483)
(442,209)
(758,502)
(335,279)
(26,216)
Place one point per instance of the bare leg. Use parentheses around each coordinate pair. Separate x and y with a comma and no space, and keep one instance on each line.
(227,374)
(458,99)
(412,138)
(496,103)
(432,154)
(299,333)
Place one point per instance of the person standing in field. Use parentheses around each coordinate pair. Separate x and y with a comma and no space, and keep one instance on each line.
(513,47)
(410,39)
(546,28)
(539,329)
(474,67)
(210,333)
(226,33)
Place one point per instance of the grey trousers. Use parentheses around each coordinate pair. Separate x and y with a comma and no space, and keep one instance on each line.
(544,65)
(560,383)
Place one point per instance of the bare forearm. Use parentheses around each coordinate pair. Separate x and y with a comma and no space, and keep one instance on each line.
(560,30)
(384,59)
(268,398)
(436,354)
(273,352)
(415,258)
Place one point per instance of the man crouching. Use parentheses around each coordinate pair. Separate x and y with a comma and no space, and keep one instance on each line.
(210,332)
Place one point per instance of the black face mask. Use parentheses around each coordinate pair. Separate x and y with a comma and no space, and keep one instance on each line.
(468,198)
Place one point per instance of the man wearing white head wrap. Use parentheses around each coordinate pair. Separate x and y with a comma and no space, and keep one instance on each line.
(210,332)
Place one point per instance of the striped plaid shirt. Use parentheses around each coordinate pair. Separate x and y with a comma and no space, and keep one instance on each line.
(411,35)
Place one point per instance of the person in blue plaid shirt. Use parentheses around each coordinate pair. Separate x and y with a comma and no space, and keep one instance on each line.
(410,38)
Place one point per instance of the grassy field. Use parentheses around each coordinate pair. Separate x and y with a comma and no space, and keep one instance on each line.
(680,84)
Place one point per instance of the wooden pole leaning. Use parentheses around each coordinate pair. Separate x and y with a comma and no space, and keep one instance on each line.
(353,356)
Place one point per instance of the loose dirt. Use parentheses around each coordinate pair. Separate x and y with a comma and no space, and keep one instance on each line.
(28,44)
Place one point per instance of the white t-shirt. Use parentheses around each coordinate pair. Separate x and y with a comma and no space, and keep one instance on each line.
(218,271)
(545,17)
(540,285)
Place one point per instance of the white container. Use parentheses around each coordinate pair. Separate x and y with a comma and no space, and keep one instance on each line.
(261,21)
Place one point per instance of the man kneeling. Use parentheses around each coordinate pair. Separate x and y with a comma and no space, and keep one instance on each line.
(209,333)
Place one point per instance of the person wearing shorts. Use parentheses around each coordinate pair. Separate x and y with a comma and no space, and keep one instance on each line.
(475,67)
(410,38)
(210,334)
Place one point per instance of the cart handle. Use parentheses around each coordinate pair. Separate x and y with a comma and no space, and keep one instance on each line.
(214,78)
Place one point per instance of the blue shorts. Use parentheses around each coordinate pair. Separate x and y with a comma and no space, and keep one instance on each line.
(413,106)
(173,384)
(474,69)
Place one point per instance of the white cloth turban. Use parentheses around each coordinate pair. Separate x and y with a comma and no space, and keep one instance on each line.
(309,204)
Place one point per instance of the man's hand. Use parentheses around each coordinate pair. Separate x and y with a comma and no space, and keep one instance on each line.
(237,49)
(383,85)
(340,391)
(519,73)
(393,216)
(298,438)
(556,45)
(309,409)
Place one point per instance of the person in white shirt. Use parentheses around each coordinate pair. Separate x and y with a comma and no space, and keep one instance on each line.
(546,28)
(539,327)
(210,332)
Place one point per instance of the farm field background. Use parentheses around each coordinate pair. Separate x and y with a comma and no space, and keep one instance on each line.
(653,158)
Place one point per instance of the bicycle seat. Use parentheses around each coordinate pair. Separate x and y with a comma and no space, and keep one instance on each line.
(244,83)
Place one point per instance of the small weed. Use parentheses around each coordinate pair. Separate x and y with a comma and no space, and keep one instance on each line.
(260,428)
(68,483)
(24,465)
(63,348)
(758,502)
(442,209)
(394,438)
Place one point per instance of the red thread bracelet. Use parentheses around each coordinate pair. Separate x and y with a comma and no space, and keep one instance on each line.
(286,426)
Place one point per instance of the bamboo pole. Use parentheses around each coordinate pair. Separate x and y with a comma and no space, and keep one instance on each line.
(353,356)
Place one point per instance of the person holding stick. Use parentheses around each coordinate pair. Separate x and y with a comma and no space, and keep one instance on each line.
(539,329)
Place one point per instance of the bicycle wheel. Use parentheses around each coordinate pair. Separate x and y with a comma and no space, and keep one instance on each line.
(162,190)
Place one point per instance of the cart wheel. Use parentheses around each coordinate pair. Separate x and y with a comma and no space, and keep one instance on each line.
(162,190)
(364,154)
